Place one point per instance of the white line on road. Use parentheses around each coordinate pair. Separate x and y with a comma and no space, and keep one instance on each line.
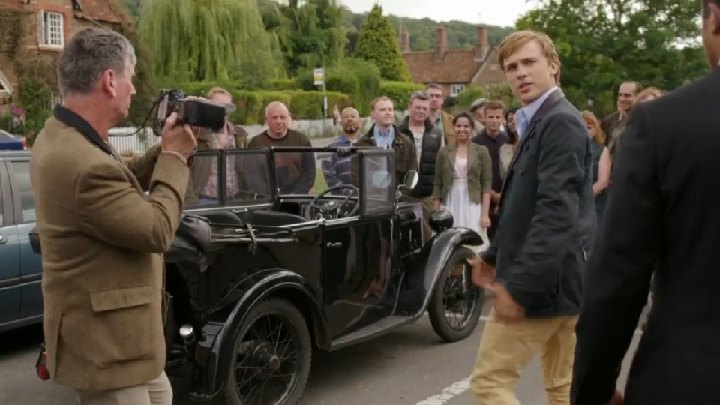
(447,393)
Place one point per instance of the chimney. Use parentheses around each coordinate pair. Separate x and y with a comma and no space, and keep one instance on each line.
(405,42)
(441,42)
(483,46)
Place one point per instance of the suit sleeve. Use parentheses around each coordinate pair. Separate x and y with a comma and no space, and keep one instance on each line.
(532,278)
(111,209)
(620,268)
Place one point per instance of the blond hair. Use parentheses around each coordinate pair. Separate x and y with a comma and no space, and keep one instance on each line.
(513,42)
(218,90)
(381,98)
(648,94)
(593,121)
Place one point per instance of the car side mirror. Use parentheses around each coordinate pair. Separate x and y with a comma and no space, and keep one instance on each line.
(410,180)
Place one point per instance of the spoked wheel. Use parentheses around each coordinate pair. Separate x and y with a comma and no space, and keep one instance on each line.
(456,303)
(272,356)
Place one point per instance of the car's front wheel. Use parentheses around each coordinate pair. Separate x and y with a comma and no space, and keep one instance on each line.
(456,302)
(272,355)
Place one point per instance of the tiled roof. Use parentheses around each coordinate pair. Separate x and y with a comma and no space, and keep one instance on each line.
(100,10)
(456,66)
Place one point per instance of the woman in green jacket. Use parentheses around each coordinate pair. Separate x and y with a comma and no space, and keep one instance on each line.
(463,176)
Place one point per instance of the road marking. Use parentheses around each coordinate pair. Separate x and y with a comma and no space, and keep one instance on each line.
(447,393)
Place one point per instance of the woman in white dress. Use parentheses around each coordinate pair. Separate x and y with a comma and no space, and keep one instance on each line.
(463,177)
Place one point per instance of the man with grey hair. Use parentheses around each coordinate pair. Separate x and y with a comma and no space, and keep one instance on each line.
(103,224)
(295,171)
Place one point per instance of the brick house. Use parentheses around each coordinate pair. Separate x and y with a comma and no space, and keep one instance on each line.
(454,69)
(33,32)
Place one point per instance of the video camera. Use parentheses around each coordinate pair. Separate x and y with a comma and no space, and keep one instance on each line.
(191,111)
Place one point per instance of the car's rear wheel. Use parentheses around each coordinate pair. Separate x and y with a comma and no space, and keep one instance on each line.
(456,302)
(272,355)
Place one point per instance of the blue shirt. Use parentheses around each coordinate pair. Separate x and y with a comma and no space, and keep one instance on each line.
(384,139)
(525,114)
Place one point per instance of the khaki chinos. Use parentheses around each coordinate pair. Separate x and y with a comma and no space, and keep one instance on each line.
(506,348)
(155,392)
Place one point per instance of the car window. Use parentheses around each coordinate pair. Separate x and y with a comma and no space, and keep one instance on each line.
(21,173)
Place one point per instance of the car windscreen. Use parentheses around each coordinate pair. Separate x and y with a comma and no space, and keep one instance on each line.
(377,190)
(230,177)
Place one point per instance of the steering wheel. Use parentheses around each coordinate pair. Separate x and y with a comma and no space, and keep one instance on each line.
(334,209)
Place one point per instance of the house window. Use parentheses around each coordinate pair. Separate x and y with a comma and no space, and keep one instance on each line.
(456,89)
(50,29)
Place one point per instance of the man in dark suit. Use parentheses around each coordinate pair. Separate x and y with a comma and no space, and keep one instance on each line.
(545,229)
(662,217)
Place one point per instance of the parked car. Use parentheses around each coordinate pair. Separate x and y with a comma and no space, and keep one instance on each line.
(9,141)
(260,278)
(20,267)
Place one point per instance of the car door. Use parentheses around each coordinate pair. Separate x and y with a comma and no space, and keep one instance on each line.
(31,303)
(9,253)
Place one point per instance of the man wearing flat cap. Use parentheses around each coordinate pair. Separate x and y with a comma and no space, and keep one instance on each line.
(477,109)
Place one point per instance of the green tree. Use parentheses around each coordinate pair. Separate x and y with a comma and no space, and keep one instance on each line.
(310,34)
(603,43)
(217,40)
(378,44)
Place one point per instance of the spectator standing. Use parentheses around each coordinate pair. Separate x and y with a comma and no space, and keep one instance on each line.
(602,163)
(463,178)
(614,124)
(295,171)
(439,118)
(104,224)
(546,228)
(428,141)
(337,169)
(203,187)
(492,137)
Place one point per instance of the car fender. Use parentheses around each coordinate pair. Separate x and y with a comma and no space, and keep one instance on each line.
(220,336)
(442,246)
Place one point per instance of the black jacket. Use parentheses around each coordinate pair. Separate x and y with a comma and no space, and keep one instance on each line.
(431,144)
(405,156)
(662,216)
(547,213)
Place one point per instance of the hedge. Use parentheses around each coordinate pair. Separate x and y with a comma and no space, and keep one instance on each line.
(251,103)
(399,92)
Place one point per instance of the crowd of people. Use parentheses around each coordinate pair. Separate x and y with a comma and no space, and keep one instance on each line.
(538,178)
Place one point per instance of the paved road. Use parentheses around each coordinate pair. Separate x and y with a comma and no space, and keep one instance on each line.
(408,366)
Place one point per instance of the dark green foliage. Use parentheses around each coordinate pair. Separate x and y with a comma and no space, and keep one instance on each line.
(500,92)
(310,35)
(378,44)
(399,92)
(251,104)
(604,43)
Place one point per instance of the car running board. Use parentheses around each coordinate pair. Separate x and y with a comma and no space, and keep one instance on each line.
(371,331)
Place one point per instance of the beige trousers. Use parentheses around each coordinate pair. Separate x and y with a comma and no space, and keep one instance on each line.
(505,349)
(155,392)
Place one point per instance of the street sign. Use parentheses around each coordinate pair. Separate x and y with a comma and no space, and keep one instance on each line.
(319,76)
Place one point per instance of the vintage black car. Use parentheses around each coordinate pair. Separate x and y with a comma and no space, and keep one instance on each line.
(276,264)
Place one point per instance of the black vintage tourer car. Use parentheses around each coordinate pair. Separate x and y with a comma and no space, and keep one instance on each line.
(276,264)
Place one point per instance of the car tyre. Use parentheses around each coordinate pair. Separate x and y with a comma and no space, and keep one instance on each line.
(454,292)
(272,354)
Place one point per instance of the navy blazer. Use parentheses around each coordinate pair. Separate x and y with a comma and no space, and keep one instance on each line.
(547,213)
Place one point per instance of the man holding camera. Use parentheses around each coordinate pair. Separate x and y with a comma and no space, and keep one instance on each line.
(101,236)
